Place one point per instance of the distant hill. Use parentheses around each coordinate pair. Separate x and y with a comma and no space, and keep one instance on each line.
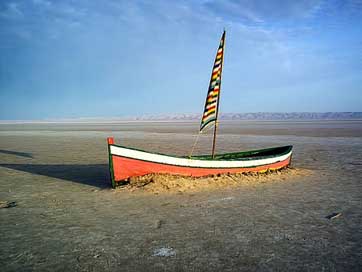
(196,117)
(256,116)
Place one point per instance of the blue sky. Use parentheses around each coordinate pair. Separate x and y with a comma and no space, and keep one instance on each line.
(69,59)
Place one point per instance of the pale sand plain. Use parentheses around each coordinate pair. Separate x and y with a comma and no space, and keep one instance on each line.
(67,217)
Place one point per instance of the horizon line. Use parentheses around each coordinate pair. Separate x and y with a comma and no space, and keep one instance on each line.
(194,116)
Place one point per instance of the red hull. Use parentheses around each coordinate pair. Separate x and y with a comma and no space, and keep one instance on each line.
(124,168)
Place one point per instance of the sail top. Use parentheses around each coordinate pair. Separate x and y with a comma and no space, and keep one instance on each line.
(209,116)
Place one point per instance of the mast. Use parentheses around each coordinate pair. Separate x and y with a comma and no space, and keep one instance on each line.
(211,109)
(218,98)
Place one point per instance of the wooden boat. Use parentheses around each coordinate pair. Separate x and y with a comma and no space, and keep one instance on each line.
(125,162)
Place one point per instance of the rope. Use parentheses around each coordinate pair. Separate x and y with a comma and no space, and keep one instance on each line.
(197,139)
(193,147)
(208,128)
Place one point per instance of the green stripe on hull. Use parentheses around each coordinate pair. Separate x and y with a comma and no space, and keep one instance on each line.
(249,155)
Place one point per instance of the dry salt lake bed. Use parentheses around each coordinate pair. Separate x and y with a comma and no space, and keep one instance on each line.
(59,213)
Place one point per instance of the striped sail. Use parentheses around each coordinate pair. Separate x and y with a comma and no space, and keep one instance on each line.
(209,116)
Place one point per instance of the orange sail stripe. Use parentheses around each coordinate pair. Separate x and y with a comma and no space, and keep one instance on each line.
(215,73)
(209,113)
(211,99)
(212,108)
(209,106)
(212,95)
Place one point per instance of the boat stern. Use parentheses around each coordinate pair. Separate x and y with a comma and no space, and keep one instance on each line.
(110,141)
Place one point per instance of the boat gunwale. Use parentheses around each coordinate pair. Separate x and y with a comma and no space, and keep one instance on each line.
(218,157)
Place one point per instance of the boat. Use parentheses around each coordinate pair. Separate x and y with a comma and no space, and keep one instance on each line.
(126,162)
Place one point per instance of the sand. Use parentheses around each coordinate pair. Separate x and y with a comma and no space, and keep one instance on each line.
(67,217)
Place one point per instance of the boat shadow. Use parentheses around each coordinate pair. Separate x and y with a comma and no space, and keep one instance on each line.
(16,153)
(96,175)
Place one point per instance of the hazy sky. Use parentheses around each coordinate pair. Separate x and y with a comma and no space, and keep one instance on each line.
(83,58)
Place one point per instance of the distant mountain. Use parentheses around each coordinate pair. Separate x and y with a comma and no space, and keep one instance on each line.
(255,116)
(196,117)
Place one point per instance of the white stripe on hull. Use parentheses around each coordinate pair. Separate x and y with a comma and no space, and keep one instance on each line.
(164,159)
